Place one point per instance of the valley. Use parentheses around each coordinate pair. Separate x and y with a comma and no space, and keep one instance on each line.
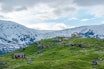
(58,53)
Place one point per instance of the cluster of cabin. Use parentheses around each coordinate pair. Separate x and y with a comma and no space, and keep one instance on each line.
(58,41)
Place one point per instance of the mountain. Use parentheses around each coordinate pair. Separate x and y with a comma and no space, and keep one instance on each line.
(14,36)
(73,53)
(93,31)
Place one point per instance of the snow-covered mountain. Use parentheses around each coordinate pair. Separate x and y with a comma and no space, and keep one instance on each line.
(14,36)
(94,31)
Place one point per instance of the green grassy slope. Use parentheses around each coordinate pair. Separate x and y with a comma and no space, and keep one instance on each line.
(58,55)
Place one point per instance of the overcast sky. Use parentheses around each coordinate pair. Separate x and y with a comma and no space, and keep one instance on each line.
(53,14)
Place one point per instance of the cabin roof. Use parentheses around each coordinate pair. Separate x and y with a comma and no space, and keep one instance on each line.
(19,54)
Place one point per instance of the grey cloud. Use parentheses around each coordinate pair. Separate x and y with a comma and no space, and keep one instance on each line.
(89,2)
(9,5)
(64,10)
(61,7)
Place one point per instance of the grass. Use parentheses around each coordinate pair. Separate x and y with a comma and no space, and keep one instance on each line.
(58,56)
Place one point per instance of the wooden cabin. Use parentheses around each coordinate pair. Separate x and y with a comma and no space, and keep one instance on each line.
(19,55)
(75,34)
